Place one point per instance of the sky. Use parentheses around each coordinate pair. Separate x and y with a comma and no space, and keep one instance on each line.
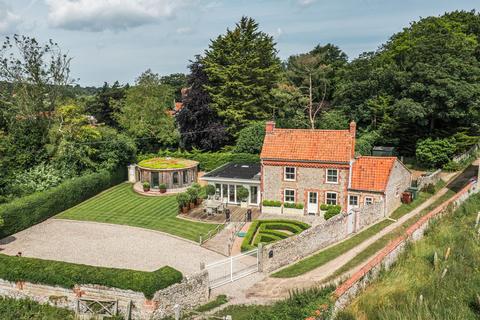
(113,40)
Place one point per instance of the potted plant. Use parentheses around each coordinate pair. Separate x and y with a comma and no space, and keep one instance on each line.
(193,196)
(293,208)
(272,207)
(210,190)
(146,186)
(162,187)
(242,195)
(183,199)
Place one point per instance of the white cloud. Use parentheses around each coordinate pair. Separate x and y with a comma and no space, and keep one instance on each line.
(8,20)
(305,3)
(184,30)
(99,15)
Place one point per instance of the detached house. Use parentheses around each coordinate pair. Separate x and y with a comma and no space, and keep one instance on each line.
(314,167)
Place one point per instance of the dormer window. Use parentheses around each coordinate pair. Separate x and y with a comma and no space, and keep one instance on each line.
(290,174)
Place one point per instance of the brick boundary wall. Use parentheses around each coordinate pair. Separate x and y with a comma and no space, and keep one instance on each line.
(290,250)
(191,292)
(349,289)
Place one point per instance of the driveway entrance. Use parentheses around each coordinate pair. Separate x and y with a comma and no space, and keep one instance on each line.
(107,245)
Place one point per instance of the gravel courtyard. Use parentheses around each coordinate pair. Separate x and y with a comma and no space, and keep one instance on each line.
(107,245)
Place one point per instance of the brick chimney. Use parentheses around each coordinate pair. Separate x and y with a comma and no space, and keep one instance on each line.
(353,128)
(353,132)
(269,127)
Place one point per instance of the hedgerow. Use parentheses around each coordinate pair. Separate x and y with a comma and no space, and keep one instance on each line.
(24,212)
(68,275)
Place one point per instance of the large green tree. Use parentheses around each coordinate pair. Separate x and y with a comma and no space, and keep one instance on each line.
(145,113)
(314,74)
(242,68)
(424,82)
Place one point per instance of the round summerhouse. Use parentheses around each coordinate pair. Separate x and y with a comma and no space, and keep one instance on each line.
(173,173)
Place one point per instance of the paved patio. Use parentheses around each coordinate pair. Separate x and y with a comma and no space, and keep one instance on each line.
(107,245)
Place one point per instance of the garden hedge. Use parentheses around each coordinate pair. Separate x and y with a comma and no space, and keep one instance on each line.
(249,243)
(207,160)
(67,275)
(24,212)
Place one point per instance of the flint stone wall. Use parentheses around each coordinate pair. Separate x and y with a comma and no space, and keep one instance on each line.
(191,292)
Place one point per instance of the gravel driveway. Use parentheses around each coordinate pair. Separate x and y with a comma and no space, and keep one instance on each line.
(107,245)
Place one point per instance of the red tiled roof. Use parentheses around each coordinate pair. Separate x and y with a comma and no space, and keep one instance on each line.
(371,173)
(308,145)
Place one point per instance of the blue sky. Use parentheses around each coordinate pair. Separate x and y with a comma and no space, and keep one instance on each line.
(118,39)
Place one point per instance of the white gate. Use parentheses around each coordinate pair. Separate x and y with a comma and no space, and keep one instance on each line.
(232,268)
(351,221)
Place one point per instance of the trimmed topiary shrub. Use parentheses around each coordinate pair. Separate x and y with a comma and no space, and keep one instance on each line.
(242,193)
(24,212)
(271,203)
(293,205)
(67,275)
(210,189)
(332,211)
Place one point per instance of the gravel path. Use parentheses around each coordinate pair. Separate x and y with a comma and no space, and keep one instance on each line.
(107,245)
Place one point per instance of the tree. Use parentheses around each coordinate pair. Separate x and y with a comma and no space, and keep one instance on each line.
(314,73)
(81,147)
(177,81)
(250,139)
(242,68)
(32,79)
(145,113)
(434,153)
(288,104)
(422,83)
(103,104)
(199,126)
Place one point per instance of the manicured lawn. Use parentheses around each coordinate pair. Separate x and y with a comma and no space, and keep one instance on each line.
(333,252)
(121,205)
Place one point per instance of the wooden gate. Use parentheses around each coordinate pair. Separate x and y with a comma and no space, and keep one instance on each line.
(97,308)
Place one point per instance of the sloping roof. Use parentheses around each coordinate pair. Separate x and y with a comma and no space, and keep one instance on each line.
(372,173)
(308,145)
(244,171)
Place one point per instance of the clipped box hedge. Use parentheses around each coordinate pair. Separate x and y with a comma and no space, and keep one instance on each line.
(270,234)
(67,275)
(24,212)
(207,160)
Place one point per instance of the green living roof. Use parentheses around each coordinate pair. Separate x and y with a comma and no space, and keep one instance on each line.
(167,163)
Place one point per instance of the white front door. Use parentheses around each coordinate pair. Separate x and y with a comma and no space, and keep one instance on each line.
(352,202)
(312,206)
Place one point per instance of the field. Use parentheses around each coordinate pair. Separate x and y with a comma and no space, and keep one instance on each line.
(437,278)
(121,205)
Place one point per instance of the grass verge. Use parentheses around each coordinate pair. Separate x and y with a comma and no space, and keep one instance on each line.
(383,241)
(425,282)
(67,275)
(300,305)
(337,250)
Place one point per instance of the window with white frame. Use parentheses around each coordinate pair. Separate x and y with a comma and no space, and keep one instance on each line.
(397,191)
(368,201)
(331,198)
(289,195)
(290,173)
(353,200)
(332,176)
